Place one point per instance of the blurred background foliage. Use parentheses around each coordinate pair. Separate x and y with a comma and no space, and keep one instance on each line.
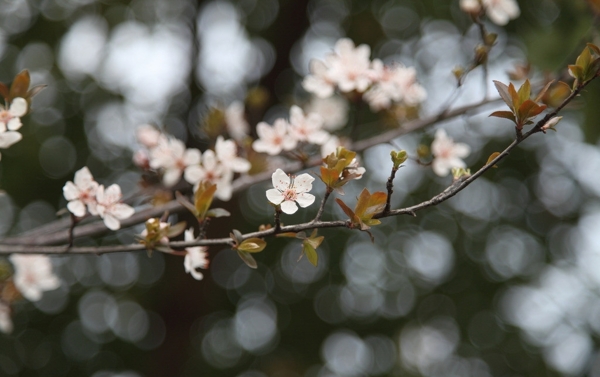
(502,280)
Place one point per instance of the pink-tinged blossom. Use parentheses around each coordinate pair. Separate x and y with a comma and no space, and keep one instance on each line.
(226,151)
(333,110)
(319,81)
(289,191)
(10,119)
(235,119)
(213,171)
(499,11)
(447,154)
(173,158)
(307,128)
(33,275)
(196,257)
(81,193)
(393,84)
(110,208)
(6,324)
(348,68)
(148,135)
(273,139)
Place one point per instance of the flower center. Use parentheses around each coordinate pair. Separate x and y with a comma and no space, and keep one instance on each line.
(290,195)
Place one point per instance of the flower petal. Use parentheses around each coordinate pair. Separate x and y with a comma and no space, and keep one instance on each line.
(76,207)
(18,107)
(303,183)
(304,199)
(289,207)
(281,181)
(275,196)
(111,222)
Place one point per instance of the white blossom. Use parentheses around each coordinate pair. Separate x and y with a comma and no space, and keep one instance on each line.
(213,171)
(81,193)
(499,11)
(226,151)
(447,154)
(148,135)
(307,128)
(289,191)
(110,208)
(9,138)
(394,83)
(319,81)
(273,139)
(33,275)
(10,119)
(172,157)
(196,257)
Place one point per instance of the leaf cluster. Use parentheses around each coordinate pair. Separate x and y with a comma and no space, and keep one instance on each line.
(522,108)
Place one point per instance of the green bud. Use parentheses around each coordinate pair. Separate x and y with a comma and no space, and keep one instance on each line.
(398,157)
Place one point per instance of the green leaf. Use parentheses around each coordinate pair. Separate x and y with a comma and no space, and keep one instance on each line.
(236,235)
(584,59)
(576,71)
(543,91)
(252,245)
(504,114)
(524,92)
(177,229)
(186,203)
(355,220)
(492,157)
(310,252)
(248,259)
(218,212)
(594,48)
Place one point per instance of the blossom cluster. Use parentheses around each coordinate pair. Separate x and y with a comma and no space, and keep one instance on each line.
(349,69)
(86,195)
(169,156)
(10,122)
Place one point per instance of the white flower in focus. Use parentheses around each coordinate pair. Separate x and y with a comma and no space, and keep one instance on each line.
(333,110)
(213,171)
(148,135)
(33,275)
(81,193)
(273,140)
(237,126)
(499,11)
(226,151)
(10,119)
(447,154)
(6,324)
(172,156)
(307,128)
(110,208)
(289,191)
(196,257)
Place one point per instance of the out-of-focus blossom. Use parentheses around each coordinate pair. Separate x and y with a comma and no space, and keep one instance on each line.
(10,119)
(213,171)
(196,257)
(172,156)
(348,68)
(307,128)
(148,135)
(226,151)
(33,275)
(273,140)
(333,110)
(394,83)
(81,193)
(330,146)
(6,324)
(110,208)
(499,11)
(289,191)
(447,154)
(235,119)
